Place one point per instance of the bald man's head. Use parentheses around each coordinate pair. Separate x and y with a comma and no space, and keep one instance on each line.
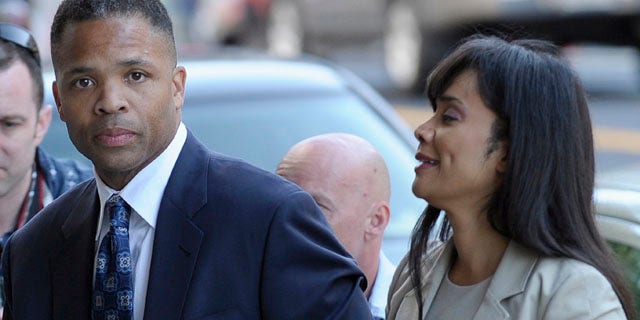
(341,161)
(349,180)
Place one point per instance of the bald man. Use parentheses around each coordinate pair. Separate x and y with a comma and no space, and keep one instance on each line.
(349,180)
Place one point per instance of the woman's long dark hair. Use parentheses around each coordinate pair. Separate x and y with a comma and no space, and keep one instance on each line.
(544,201)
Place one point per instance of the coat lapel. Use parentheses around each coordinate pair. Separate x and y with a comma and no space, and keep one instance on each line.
(434,277)
(509,279)
(434,271)
(72,266)
(177,239)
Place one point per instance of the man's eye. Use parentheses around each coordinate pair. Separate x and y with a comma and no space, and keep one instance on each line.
(136,76)
(83,83)
(10,124)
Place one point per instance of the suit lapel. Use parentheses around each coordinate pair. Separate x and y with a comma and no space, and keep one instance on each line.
(177,239)
(72,266)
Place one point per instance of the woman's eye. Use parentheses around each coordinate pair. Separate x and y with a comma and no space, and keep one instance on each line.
(448,118)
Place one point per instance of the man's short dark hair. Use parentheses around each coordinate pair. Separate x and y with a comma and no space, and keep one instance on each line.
(11,53)
(74,11)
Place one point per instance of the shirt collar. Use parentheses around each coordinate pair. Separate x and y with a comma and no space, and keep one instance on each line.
(379,292)
(144,192)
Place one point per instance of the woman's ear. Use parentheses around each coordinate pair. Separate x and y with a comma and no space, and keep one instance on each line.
(501,166)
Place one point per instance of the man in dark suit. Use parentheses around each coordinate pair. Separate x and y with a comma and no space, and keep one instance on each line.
(167,229)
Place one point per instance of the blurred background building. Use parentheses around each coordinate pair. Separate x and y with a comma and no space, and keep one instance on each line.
(410,36)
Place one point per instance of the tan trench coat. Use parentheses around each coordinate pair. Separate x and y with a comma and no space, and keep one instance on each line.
(525,286)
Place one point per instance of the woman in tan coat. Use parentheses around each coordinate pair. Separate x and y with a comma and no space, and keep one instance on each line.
(507,168)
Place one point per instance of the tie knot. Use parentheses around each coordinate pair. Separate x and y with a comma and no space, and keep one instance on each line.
(118,211)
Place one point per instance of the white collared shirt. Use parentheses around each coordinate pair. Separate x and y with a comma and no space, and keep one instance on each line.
(143,193)
(380,290)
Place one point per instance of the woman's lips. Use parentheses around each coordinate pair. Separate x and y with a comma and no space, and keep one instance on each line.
(425,162)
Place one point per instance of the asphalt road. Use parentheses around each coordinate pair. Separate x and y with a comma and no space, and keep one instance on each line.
(610,75)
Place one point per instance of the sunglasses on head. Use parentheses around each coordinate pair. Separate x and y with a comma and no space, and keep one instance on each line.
(20,37)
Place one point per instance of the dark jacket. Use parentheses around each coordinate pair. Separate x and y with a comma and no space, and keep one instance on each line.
(231,242)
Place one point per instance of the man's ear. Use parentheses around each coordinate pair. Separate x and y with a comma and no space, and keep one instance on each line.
(43,122)
(378,220)
(56,97)
(179,79)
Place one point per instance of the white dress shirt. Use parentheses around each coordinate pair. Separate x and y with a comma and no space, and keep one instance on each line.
(378,297)
(143,193)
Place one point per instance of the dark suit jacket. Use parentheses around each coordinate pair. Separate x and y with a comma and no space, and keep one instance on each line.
(231,242)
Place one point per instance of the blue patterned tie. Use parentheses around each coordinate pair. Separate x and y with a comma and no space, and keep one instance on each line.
(113,287)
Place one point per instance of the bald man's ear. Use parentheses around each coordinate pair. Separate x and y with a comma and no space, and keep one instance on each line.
(378,220)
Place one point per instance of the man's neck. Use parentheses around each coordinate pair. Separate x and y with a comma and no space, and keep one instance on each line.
(369,266)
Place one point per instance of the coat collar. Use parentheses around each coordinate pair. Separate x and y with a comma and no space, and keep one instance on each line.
(177,238)
(72,265)
(435,268)
(513,272)
(443,257)
(510,279)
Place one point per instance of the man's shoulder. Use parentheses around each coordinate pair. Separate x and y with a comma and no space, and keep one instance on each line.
(229,182)
(56,213)
(237,172)
(222,168)
(61,174)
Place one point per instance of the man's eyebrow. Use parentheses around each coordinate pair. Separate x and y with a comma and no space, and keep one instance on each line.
(79,70)
(133,62)
(124,63)
(5,117)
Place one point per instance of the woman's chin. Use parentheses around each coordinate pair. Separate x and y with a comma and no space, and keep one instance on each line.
(418,191)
